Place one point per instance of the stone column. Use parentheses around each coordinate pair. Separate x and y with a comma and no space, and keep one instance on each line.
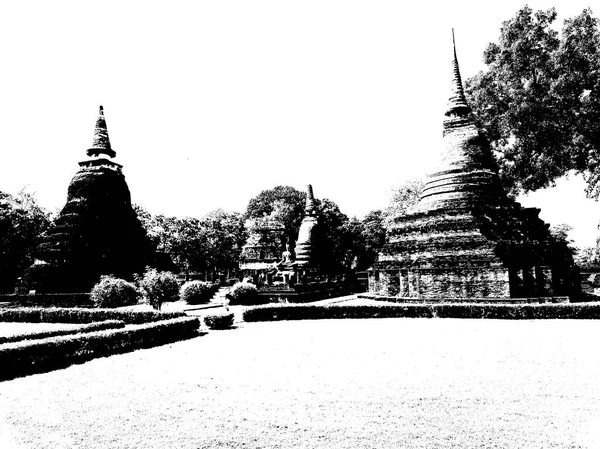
(515,279)
(404,285)
(530,282)
(544,280)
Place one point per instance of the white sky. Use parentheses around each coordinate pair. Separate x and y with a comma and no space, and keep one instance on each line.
(209,102)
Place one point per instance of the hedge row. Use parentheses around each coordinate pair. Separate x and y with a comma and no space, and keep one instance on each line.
(221,321)
(36,356)
(490,311)
(84,328)
(78,315)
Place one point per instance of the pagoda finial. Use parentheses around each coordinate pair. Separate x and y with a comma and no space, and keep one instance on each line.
(457,103)
(310,200)
(101,144)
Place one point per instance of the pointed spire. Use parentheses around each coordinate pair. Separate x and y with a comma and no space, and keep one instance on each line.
(457,103)
(101,144)
(310,201)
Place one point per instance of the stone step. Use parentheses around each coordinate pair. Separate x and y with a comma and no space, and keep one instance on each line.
(219,295)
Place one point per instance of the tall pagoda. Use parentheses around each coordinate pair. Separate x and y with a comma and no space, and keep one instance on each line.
(305,241)
(97,232)
(466,239)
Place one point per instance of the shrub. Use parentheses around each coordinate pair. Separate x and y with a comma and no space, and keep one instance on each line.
(243,293)
(197,292)
(221,321)
(36,356)
(85,328)
(159,287)
(490,311)
(113,292)
(77,315)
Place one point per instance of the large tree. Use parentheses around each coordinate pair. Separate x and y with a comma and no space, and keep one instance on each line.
(284,203)
(539,99)
(207,244)
(21,223)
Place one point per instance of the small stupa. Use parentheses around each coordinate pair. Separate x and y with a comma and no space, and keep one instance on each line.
(466,240)
(97,232)
(305,241)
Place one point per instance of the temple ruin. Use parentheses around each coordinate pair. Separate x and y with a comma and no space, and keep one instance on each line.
(466,239)
(97,232)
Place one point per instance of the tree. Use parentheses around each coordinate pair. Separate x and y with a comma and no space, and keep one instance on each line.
(193,244)
(373,234)
(284,202)
(21,223)
(404,197)
(331,240)
(539,100)
(225,236)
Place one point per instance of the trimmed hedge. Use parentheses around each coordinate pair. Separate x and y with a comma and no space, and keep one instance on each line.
(77,315)
(490,311)
(245,294)
(113,292)
(221,321)
(84,328)
(197,292)
(37,356)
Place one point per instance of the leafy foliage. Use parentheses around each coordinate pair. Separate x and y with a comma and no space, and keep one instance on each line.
(159,287)
(197,292)
(221,321)
(441,310)
(373,235)
(243,293)
(22,222)
(285,203)
(404,198)
(193,244)
(81,315)
(36,356)
(113,292)
(84,328)
(539,99)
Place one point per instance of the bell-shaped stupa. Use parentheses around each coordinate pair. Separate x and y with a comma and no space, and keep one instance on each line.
(97,232)
(466,239)
(305,241)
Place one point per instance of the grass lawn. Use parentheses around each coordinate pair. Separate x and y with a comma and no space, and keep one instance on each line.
(381,383)
(8,329)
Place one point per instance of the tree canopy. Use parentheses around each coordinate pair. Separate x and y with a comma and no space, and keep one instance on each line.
(21,223)
(206,244)
(538,101)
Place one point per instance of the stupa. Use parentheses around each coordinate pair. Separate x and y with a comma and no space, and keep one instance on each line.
(97,232)
(305,241)
(466,240)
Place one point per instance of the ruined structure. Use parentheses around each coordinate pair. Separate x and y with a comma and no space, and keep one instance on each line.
(97,232)
(263,248)
(465,239)
(304,244)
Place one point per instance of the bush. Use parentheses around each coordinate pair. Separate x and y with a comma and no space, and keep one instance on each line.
(221,321)
(77,315)
(490,311)
(243,293)
(37,356)
(85,328)
(159,287)
(197,292)
(113,292)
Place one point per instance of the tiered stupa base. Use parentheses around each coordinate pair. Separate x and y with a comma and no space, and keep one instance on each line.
(472,254)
